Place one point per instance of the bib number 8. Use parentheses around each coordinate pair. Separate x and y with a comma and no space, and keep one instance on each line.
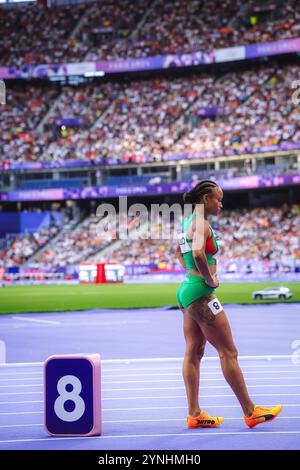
(215,306)
(73,395)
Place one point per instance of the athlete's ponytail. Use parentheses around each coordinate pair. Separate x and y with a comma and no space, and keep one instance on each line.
(195,194)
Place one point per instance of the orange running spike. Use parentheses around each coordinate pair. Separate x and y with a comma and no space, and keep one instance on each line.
(203,420)
(261,415)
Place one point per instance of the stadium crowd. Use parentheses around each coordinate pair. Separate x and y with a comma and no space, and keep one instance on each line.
(262,235)
(35,34)
(19,248)
(268,117)
(25,107)
(173,27)
(76,245)
(149,120)
(108,30)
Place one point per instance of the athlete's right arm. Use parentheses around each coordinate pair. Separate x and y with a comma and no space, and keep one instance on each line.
(199,241)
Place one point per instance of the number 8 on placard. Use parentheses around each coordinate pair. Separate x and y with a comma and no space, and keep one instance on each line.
(72,401)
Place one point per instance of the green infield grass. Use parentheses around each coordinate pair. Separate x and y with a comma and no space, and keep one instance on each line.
(53,298)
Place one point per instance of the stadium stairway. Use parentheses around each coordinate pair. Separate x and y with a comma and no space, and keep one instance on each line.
(80,23)
(51,112)
(198,102)
(143,20)
(97,123)
(97,257)
(179,122)
(66,228)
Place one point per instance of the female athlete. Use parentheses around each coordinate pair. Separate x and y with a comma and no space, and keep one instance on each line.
(204,317)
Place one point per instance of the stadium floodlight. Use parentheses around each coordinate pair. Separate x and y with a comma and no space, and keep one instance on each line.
(17,1)
(57,78)
(2,92)
(98,73)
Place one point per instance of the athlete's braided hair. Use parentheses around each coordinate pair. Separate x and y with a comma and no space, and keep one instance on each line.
(203,187)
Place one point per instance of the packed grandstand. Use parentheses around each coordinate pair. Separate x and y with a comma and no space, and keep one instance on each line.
(235,120)
(107,29)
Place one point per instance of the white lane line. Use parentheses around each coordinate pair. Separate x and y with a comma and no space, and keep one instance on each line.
(21,379)
(21,386)
(205,366)
(289,405)
(203,396)
(24,413)
(135,421)
(201,379)
(16,373)
(203,373)
(205,369)
(203,387)
(153,359)
(120,382)
(164,397)
(159,420)
(102,324)
(138,436)
(208,365)
(19,393)
(206,358)
(21,425)
(35,320)
(144,389)
(19,402)
(160,371)
(151,408)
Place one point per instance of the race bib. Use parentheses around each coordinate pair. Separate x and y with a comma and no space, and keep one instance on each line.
(215,306)
(183,243)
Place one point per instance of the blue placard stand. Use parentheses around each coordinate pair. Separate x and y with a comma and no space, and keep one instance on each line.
(72,395)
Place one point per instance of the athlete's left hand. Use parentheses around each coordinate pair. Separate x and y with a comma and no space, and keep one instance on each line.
(216,282)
